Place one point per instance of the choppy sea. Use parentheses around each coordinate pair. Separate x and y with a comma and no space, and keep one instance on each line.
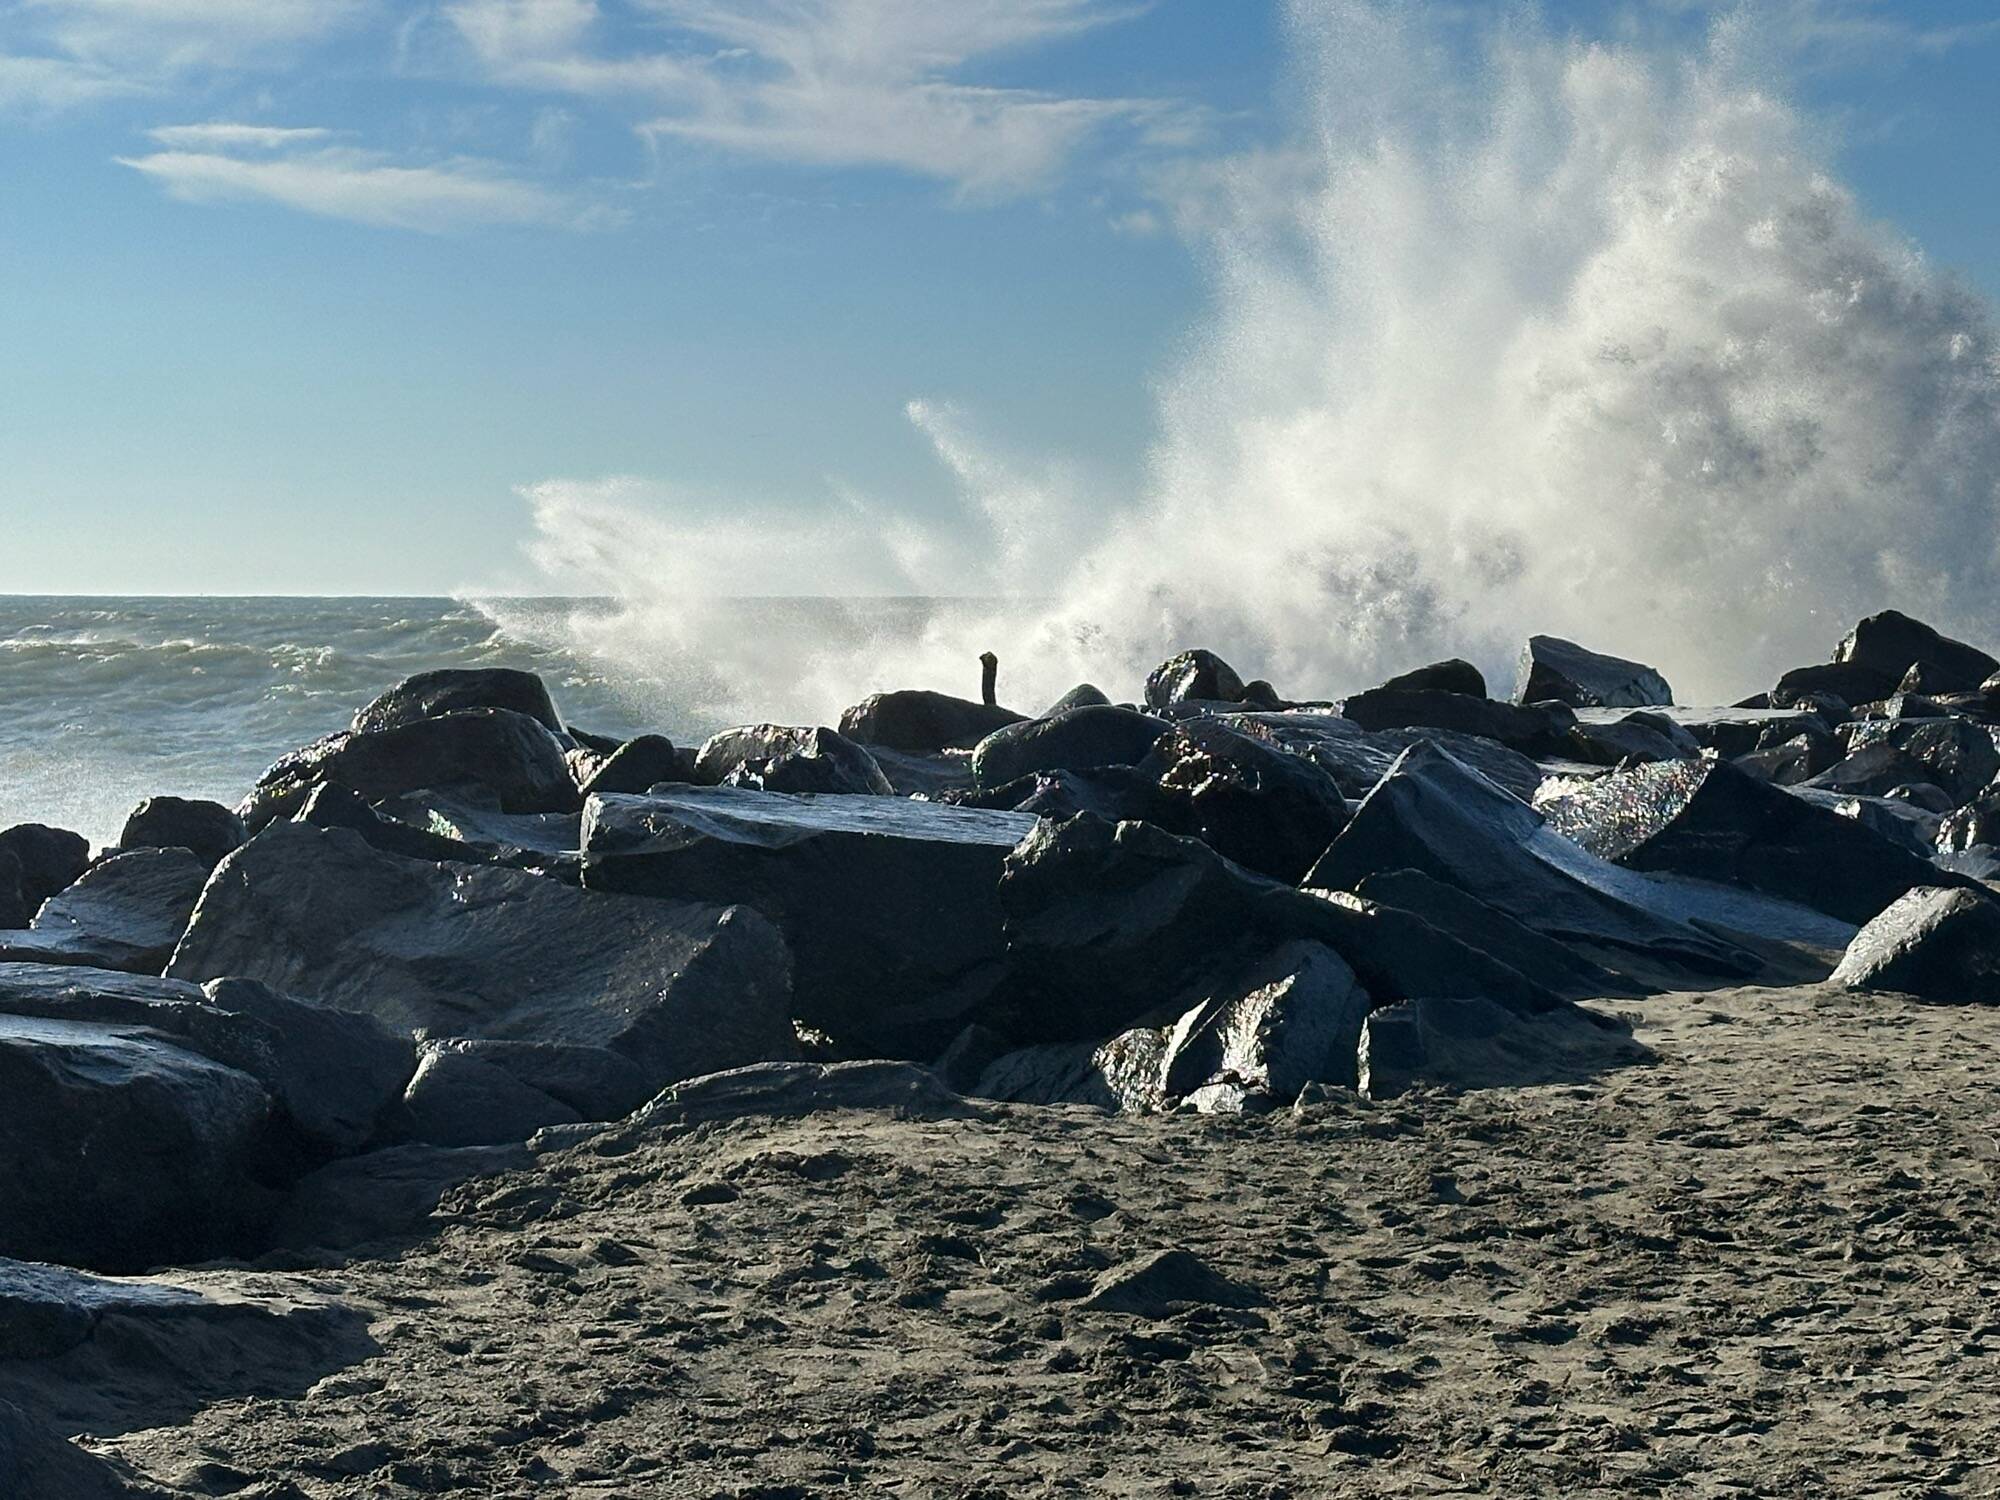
(105,701)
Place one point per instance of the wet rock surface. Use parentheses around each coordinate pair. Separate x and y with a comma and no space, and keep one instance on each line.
(1554,670)
(207,830)
(677,986)
(126,912)
(783,758)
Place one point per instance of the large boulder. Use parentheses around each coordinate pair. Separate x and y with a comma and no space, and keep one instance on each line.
(120,1150)
(1076,739)
(638,765)
(1557,671)
(889,905)
(126,912)
(1708,819)
(431,695)
(1490,930)
(1357,758)
(1083,695)
(1290,1018)
(1531,729)
(46,859)
(677,986)
(785,758)
(14,909)
(493,751)
(331,806)
(1105,922)
(1193,677)
(1452,676)
(1959,757)
(1437,816)
(335,1076)
(921,723)
(1935,943)
(1269,811)
(207,830)
(1635,737)
(1833,687)
(1471,1043)
(459,1098)
(1891,642)
(1977,822)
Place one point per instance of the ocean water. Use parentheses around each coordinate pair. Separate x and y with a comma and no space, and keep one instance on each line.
(106,701)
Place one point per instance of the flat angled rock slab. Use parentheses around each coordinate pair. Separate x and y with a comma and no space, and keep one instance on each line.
(1473,1044)
(1437,816)
(106,1355)
(1937,944)
(333,1073)
(1555,670)
(1357,758)
(1710,820)
(889,905)
(124,913)
(120,1150)
(679,987)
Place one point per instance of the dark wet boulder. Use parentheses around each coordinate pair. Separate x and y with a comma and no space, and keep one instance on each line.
(1832,688)
(593,1082)
(1890,643)
(1898,819)
(1872,771)
(1435,815)
(1115,793)
(638,765)
(1636,736)
(47,860)
(333,1075)
(1490,930)
(676,986)
(1083,695)
(1554,670)
(1269,811)
(1288,1018)
(1122,1074)
(547,842)
(792,759)
(208,830)
(1532,729)
(1938,944)
(120,1150)
(126,912)
(493,751)
(1356,758)
(1104,921)
(1193,677)
(889,905)
(1453,676)
(1960,757)
(1470,1043)
(460,1098)
(919,723)
(331,806)
(1078,739)
(432,695)
(1707,819)
(14,909)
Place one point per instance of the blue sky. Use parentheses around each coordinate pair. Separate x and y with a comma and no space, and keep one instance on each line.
(296,296)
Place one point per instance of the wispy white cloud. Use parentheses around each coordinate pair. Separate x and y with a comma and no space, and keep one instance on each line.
(153,36)
(48,85)
(367,188)
(230,136)
(832,82)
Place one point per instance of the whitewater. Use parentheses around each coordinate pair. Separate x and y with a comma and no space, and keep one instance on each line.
(1600,346)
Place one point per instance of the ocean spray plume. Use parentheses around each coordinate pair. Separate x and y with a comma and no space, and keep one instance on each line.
(1597,347)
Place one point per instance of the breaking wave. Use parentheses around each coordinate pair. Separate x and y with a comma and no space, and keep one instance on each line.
(1596,344)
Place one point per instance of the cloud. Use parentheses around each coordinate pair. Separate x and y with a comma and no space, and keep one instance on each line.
(869,83)
(155,36)
(366,188)
(225,136)
(46,85)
